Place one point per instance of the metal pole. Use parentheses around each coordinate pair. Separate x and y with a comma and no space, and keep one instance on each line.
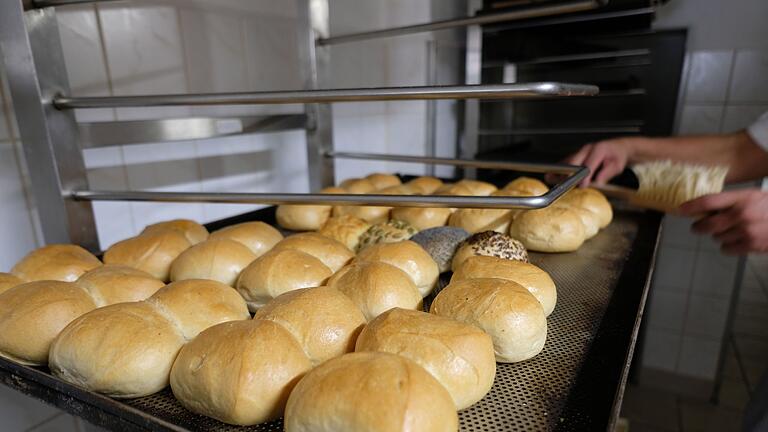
(468,144)
(34,64)
(431,126)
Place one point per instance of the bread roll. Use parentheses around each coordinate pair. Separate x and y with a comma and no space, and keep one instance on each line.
(193,231)
(152,252)
(373,214)
(369,392)
(490,243)
(61,262)
(221,260)
(279,271)
(551,229)
(592,200)
(478,188)
(239,372)
(504,309)
(479,220)
(528,185)
(376,287)
(535,280)
(408,257)
(8,281)
(454,189)
(422,218)
(589,220)
(124,350)
(346,230)
(358,186)
(329,251)
(33,314)
(391,231)
(256,236)
(382,181)
(441,244)
(110,284)
(425,185)
(324,321)
(299,217)
(460,356)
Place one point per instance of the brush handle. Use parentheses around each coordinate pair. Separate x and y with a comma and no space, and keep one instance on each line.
(630,195)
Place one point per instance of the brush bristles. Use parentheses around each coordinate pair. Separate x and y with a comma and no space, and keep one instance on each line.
(671,183)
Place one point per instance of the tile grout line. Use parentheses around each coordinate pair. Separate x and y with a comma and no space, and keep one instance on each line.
(739,362)
(38,424)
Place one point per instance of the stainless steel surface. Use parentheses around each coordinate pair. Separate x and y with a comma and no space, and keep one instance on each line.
(561,131)
(34,66)
(105,134)
(51,3)
(494,91)
(588,56)
(473,63)
(476,20)
(430,137)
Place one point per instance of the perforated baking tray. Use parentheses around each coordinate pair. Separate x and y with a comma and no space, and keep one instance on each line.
(576,383)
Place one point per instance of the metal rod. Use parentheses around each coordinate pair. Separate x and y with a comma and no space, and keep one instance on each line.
(562,131)
(518,14)
(572,19)
(495,91)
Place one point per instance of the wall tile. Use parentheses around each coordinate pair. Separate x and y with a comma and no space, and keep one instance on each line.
(748,83)
(676,232)
(739,117)
(714,275)
(272,53)
(667,309)
(708,76)
(698,357)
(674,267)
(17,229)
(706,317)
(60,423)
(661,349)
(106,171)
(700,119)
(20,412)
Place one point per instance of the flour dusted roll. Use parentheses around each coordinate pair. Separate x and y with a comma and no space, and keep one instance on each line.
(33,314)
(8,281)
(425,185)
(358,186)
(193,231)
(345,229)
(370,391)
(324,321)
(110,284)
(489,243)
(221,260)
(535,280)
(408,257)
(422,218)
(460,356)
(62,262)
(279,271)
(551,229)
(269,364)
(332,253)
(504,309)
(478,188)
(382,181)
(592,200)
(256,236)
(528,186)
(150,252)
(298,217)
(376,287)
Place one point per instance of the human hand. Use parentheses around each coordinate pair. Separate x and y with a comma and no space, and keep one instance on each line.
(605,159)
(737,219)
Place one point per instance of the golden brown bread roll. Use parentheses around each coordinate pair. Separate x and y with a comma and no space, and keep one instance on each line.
(110,284)
(279,271)
(382,181)
(345,229)
(479,220)
(589,220)
(478,188)
(329,251)
(358,186)
(8,281)
(373,214)
(221,260)
(193,231)
(425,185)
(592,200)
(299,217)
(527,185)
(62,262)
(460,356)
(152,252)
(239,372)
(489,243)
(551,229)
(324,321)
(33,314)
(535,280)
(369,392)
(408,257)
(256,236)
(422,218)
(454,189)
(504,309)
(375,287)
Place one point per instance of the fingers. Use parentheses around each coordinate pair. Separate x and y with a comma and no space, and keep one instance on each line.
(610,169)
(716,223)
(712,203)
(579,157)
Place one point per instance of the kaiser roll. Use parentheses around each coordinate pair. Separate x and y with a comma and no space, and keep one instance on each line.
(460,356)
(239,372)
(298,217)
(373,214)
(329,251)
(8,281)
(193,231)
(478,188)
(61,262)
(425,185)
(110,284)
(382,181)
(504,309)
(221,260)
(422,218)
(358,186)
(589,220)
(479,220)
(528,186)
(592,200)
(369,391)
(256,236)
(375,287)
(551,229)
(489,243)
(345,229)
(408,257)
(151,252)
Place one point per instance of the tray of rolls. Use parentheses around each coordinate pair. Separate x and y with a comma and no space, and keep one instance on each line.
(320,318)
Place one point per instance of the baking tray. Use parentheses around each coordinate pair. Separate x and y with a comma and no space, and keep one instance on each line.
(574,384)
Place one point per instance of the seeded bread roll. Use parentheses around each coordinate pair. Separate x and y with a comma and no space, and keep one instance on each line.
(551,229)
(376,287)
(391,231)
(592,200)
(346,230)
(324,321)
(358,186)
(279,271)
(425,185)
(298,217)
(193,231)
(490,243)
(535,280)
(332,253)
(382,181)
(370,391)
(478,188)
(8,281)
(408,257)
(151,252)
(269,364)
(256,236)
(441,244)
(221,260)
(62,262)
(460,356)
(528,185)
(504,309)
(110,284)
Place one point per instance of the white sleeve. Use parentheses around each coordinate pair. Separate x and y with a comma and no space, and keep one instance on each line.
(759,131)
